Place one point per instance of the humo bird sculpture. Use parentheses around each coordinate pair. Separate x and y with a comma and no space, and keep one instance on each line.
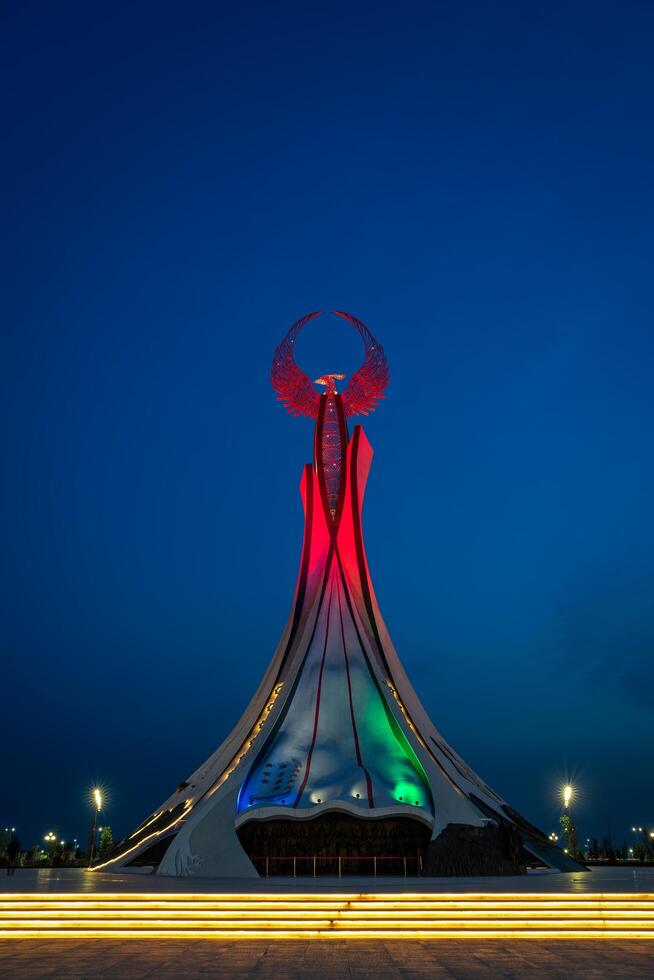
(335,760)
(299,396)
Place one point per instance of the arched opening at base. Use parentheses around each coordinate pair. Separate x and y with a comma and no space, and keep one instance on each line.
(336,844)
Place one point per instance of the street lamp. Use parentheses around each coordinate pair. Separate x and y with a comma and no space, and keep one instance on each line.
(567,794)
(96,800)
(50,839)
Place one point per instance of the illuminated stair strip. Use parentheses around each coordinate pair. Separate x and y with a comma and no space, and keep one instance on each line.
(324,916)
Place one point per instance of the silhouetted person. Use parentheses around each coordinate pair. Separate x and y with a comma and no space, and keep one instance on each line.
(13,850)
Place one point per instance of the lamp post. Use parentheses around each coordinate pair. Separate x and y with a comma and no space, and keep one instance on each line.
(50,839)
(96,799)
(566,819)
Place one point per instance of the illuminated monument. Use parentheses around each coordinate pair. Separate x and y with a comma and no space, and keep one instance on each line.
(335,759)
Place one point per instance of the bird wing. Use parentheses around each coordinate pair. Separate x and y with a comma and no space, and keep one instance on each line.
(367,384)
(293,387)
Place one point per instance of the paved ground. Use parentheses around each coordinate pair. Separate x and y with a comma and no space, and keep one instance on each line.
(609,880)
(329,960)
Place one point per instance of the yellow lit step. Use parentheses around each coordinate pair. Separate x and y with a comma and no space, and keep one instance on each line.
(155,922)
(398,918)
(547,934)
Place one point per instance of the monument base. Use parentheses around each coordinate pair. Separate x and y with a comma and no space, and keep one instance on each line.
(336,844)
(465,851)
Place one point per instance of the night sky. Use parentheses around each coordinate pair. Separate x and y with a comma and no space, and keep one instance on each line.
(180,182)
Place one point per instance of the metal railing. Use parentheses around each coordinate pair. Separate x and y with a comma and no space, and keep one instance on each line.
(314,865)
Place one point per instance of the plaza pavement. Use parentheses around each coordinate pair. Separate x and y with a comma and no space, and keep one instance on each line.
(329,960)
(621,880)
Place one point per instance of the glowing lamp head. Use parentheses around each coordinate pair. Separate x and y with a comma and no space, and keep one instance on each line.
(567,795)
(97,798)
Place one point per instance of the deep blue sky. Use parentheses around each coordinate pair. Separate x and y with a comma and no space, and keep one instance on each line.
(182,181)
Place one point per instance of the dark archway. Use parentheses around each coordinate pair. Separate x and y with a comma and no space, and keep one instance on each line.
(336,843)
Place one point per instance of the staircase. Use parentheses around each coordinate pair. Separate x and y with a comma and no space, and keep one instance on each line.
(326,916)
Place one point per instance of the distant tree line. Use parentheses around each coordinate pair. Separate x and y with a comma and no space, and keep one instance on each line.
(53,852)
(604,850)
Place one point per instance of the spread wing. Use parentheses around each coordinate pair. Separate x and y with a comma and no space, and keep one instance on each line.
(367,385)
(293,387)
